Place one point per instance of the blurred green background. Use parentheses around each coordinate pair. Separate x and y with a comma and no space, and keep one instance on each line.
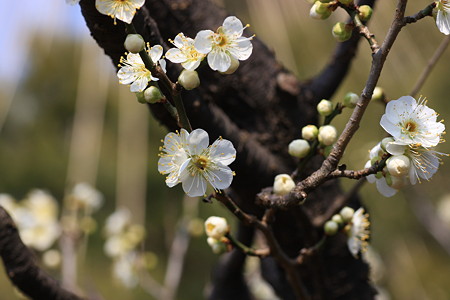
(64,118)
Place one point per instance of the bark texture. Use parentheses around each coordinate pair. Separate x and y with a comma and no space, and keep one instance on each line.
(260,108)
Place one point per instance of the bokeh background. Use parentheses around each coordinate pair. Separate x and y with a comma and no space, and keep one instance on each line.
(64,119)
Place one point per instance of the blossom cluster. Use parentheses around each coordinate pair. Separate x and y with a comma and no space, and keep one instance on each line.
(122,239)
(415,132)
(188,158)
(216,228)
(223,49)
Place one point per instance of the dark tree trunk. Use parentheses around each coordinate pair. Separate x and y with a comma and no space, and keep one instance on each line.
(260,108)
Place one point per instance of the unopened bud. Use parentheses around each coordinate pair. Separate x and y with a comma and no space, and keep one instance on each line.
(365,12)
(325,107)
(338,219)
(327,135)
(189,79)
(299,148)
(283,184)
(347,214)
(330,228)
(350,100)
(310,132)
(134,43)
(398,182)
(342,31)
(398,165)
(140,97)
(216,227)
(153,95)
(233,67)
(378,94)
(319,12)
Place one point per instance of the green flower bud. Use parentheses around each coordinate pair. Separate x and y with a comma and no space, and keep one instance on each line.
(323,14)
(330,228)
(310,132)
(342,31)
(153,95)
(378,94)
(299,148)
(325,107)
(350,100)
(134,43)
(347,214)
(338,219)
(189,79)
(388,178)
(379,175)
(140,97)
(365,12)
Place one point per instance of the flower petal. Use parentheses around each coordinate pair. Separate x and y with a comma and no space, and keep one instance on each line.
(194,185)
(219,61)
(175,55)
(233,25)
(384,188)
(220,177)
(197,141)
(223,151)
(155,53)
(203,41)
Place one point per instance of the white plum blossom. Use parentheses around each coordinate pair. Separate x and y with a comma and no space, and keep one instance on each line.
(123,10)
(379,178)
(187,158)
(185,53)
(283,184)
(358,232)
(225,44)
(134,72)
(443,16)
(412,123)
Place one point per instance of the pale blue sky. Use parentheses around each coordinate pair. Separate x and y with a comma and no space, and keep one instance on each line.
(25,18)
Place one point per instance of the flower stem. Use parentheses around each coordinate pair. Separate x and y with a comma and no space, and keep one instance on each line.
(247,250)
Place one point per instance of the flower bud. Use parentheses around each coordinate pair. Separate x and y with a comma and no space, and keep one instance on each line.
(299,148)
(283,184)
(217,246)
(338,219)
(134,43)
(140,97)
(385,142)
(327,135)
(398,182)
(347,213)
(398,165)
(365,12)
(330,228)
(189,79)
(325,107)
(378,94)
(342,31)
(318,12)
(310,132)
(233,67)
(216,227)
(350,100)
(152,95)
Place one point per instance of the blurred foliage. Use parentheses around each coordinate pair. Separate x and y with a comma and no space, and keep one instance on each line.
(35,140)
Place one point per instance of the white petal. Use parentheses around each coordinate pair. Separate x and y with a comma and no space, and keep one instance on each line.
(353,245)
(198,140)
(221,177)
(203,41)
(384,188)
(179,40)
(370,178)
(390,127)
(443,22)
(156,53)
(191,65)
(194,186)
(139,85)
(162,63)
(233,25)
(375,151)
(396,149)
(223,151)
(219,61)
(175,55)
(242,50)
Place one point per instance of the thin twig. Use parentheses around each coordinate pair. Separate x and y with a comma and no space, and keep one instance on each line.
(431,63)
